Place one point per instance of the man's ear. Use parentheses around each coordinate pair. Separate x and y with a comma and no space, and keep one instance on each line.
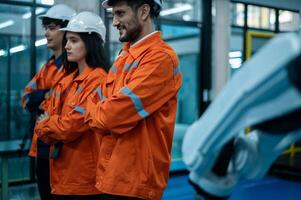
(144,12)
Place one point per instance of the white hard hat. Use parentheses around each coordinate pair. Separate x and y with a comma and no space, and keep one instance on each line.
(59,11)
(106,4)
(86,22)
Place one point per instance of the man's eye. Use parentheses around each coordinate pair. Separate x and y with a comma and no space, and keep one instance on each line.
(119,14)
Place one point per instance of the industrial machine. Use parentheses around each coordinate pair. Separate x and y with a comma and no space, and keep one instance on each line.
(265,96)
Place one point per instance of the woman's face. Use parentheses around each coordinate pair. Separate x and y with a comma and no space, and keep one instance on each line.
(75,48)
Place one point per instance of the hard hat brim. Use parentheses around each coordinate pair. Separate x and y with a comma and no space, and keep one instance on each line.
(74,30)
(105,4)
(42,16)
(46,16)
(71,30)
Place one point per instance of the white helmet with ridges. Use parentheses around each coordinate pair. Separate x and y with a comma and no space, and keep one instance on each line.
(59,11)
(86,22)
(107,4)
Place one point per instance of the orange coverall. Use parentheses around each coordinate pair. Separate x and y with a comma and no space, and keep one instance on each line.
(74,171)
(137,119)
(47,77)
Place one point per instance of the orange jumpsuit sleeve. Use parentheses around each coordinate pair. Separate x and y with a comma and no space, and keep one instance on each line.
(34,91)
(156,80)
(70,126)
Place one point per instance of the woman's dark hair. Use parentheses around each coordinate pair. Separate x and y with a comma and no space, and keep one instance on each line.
(95,57)
(46,21)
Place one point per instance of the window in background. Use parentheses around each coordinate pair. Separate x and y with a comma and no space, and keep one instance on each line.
(115,45)
(185,10)
(45,2)
(4,98)
(261,17)
(42,52)
(238,15)
(14,73)
(16,30)
(288,20)
(185,40)
(28,1)
(236,49)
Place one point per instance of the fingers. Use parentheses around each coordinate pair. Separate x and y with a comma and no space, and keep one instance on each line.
(43,117)
(47,95)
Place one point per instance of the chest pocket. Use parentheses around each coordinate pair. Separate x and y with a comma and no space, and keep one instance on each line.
(129,69)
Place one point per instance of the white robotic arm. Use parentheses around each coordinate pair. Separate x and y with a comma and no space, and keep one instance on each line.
(266,88)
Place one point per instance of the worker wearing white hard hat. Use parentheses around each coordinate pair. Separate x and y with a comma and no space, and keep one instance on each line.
(38,89)
(60,12)
(73,172)
(86,22)
(156,4)
(138,115)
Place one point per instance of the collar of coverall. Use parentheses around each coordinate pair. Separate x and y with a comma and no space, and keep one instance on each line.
(143,44)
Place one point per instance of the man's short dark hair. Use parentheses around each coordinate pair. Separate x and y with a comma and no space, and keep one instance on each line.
(135,4)
(46,21)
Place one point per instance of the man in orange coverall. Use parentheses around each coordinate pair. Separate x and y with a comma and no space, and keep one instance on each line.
(137,115)
(48,76)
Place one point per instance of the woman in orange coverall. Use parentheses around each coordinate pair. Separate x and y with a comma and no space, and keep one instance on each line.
(73,169)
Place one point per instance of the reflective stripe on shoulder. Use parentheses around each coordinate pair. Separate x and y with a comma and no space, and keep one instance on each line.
(100,95)
(79,89)
(134,65)
(80,109)
(114,69)
(32,85)
(136,101)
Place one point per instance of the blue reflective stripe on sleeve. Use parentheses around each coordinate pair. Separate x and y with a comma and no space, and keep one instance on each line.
(127,67)
(50,92)
(79,89)
(135,64)
(32,85)
(57,94)
(99,92)
(80,110)
(136,101)
(114,69)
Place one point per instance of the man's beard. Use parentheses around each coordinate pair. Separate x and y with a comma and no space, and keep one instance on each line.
(132,34)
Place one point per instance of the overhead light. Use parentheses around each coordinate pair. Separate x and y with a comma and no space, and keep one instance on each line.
(47,2)
(182,8)
(235,54)
(2,52)
(28,14)
(7,23)
(186,17)
(235,62)
(40,42)
(22,47)
(17,49)
(110,10)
